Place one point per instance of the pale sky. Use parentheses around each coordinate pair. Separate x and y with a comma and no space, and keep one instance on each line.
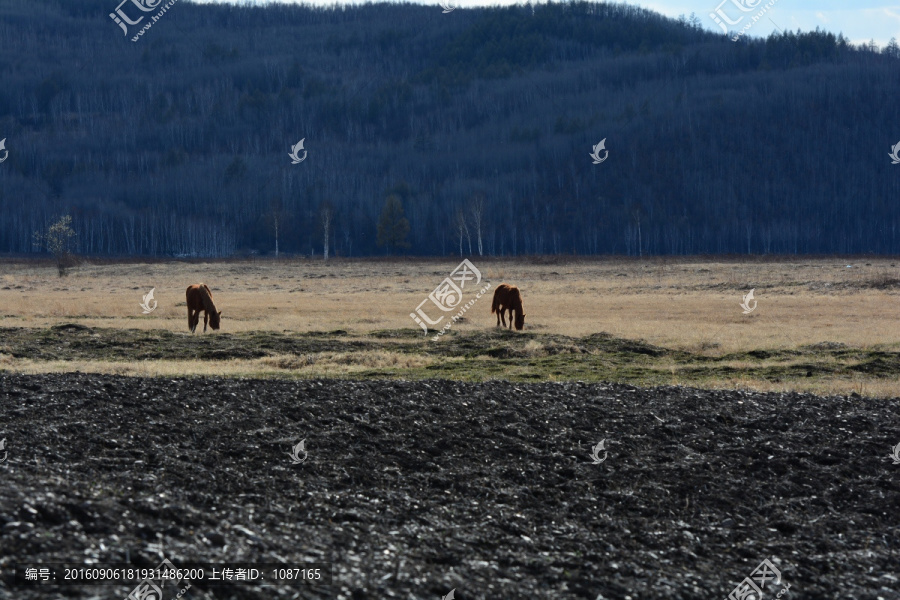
(859,20)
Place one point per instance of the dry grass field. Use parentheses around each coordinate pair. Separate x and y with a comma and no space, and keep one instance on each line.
(689,305)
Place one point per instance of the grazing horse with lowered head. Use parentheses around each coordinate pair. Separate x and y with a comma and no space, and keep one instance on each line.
(199,298)
(508,298)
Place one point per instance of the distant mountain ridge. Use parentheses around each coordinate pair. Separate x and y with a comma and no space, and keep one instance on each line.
(480,121)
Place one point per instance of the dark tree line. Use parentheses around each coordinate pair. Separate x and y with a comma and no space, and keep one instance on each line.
(469,130)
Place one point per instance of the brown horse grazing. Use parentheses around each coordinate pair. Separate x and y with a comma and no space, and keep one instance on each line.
(200,298)
(507,297)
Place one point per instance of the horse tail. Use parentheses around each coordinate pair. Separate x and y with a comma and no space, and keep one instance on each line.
(495,305)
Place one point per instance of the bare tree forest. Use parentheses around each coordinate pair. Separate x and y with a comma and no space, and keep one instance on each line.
(479,122)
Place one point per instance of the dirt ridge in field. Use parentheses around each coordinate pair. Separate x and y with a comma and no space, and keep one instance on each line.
(413,488)
(823,368)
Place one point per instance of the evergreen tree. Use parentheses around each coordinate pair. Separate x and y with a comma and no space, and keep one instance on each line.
(393,227)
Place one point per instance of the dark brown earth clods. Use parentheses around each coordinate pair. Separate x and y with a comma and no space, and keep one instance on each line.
(411,489)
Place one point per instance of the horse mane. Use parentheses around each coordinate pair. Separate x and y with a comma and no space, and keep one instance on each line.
(209,306)
(206,297)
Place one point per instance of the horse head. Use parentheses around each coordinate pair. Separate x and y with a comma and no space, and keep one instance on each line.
(520,320)
(215,319)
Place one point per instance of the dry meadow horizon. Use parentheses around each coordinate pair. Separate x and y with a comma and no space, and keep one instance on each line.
(685,303)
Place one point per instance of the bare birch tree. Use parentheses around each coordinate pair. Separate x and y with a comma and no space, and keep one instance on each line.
(275,219)
(326,215)
(58,241)
(463,228)
(477,210)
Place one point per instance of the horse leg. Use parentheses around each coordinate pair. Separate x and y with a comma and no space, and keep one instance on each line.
(503,314)
(191,323)
(510,318)
(205,319)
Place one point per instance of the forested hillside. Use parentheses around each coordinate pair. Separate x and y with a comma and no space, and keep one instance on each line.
(477,124)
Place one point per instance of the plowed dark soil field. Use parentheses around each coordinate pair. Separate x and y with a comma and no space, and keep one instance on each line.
(414,489)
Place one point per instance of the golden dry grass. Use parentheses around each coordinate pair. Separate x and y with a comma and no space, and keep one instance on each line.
(319,364)
(689,304)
